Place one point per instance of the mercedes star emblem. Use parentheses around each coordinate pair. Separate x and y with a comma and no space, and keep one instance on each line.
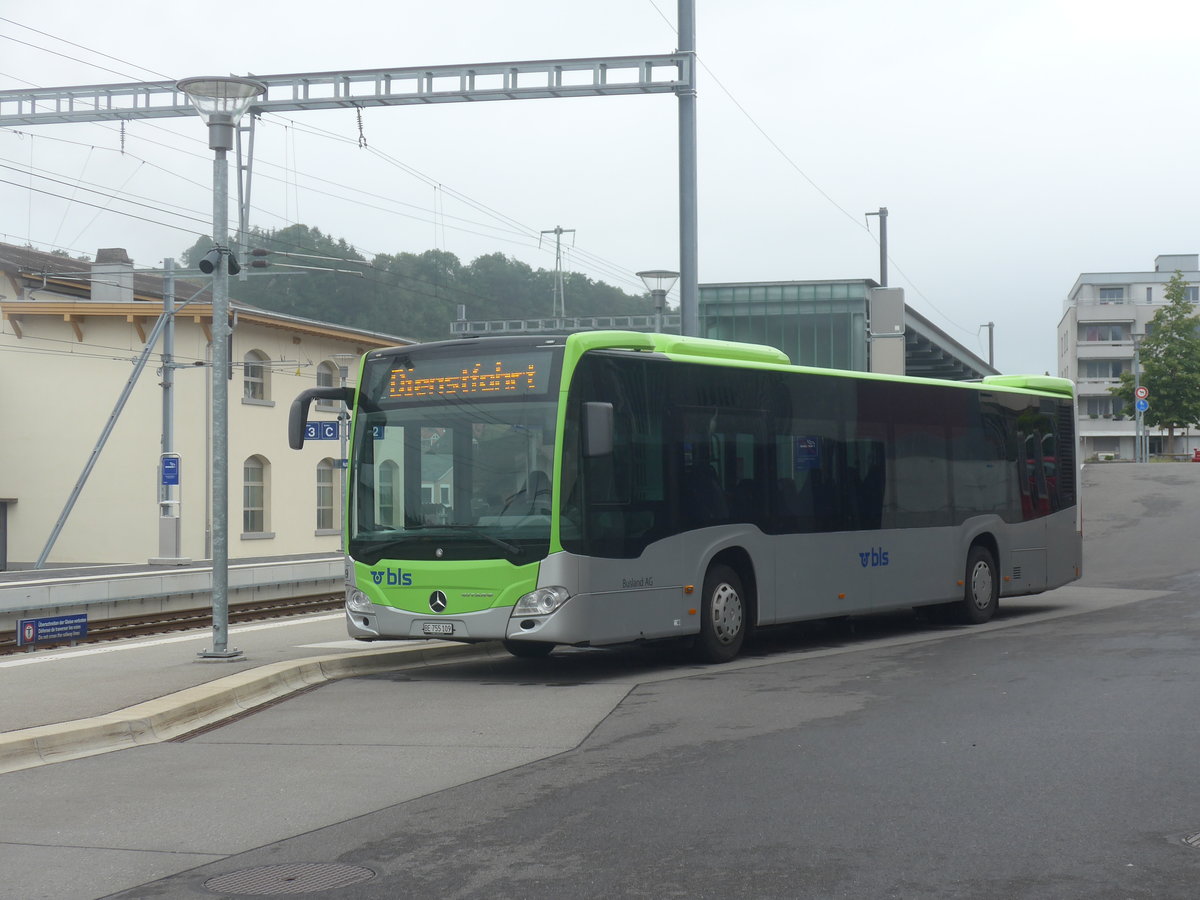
(437,601)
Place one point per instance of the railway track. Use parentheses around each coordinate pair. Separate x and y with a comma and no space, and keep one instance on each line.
(116,629)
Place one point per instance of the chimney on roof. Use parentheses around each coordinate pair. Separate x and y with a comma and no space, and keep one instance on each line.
(112,276)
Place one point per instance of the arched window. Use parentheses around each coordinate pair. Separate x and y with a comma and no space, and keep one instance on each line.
(389,482)
(255,497)
(256,377)
(328,376)
(325,505)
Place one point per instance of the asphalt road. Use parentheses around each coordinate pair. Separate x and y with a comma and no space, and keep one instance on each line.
(1051,753)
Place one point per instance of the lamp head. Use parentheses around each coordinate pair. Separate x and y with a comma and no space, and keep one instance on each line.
(658,279)
(221,102)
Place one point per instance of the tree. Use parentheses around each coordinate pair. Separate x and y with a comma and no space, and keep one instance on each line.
(409,295)
(1170,364)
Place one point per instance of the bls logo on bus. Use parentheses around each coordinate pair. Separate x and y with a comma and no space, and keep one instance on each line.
(393,577)
(874,558)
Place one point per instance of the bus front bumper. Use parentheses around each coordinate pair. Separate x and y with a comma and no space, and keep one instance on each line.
(385,623)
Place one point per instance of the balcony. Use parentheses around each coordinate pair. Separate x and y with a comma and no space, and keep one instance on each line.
(1102,427)
(1105,350)
(1105,312)
(1095,387)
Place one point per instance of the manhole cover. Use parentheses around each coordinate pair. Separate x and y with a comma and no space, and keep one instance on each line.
(288,878)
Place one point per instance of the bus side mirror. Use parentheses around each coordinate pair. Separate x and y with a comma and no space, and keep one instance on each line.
(298,415)
(597,430)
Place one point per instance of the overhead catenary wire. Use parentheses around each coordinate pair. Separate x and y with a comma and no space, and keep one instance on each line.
(794,165)
(520,238)
(513,227)
(593,261)
(88,49)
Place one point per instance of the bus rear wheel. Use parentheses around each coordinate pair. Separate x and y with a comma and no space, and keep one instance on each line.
(722,616)
(528,649)
(981,591)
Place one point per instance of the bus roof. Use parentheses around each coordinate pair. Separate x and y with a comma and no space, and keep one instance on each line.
(1047,383)
(708,349)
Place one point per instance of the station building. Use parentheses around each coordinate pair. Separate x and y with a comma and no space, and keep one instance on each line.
(70,331)
(838,324)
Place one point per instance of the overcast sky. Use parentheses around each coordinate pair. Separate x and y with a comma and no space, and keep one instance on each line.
(1014,144)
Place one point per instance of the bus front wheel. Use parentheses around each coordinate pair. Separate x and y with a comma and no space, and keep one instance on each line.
(722,616)
(528,649)
(981,592)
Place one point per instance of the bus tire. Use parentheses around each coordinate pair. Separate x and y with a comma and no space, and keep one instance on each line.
(981,590)
(723,615)
(529,649)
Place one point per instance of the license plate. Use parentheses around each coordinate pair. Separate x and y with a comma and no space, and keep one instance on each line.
(437,628)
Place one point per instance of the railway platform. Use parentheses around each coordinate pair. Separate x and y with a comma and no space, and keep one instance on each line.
(73,702)
(115,591)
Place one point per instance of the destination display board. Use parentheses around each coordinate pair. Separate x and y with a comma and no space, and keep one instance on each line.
(481,376)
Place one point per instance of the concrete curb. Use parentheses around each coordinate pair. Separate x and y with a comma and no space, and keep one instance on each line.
(207,704)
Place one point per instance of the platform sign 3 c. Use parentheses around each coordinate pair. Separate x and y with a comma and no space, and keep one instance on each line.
(321,431)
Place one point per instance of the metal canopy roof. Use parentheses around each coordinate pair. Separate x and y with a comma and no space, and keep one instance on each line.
(931,353)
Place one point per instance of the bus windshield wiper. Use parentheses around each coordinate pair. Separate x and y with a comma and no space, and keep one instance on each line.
(512,549)
(382,549)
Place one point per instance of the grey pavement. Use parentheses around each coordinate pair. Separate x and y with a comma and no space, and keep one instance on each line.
(96,698)
(68,704)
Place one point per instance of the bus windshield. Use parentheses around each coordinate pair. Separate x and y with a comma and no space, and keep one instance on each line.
(453,458)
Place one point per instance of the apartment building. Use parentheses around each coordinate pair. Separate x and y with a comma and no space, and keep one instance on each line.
(1104,315)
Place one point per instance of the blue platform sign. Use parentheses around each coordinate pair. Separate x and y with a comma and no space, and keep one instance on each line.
(321,431)
(170,470)
(52,628)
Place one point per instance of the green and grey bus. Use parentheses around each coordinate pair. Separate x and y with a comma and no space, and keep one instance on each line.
(614,487)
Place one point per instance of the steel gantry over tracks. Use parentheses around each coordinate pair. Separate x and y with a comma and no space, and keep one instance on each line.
(418,85)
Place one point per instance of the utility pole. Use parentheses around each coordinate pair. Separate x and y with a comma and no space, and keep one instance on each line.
(170,488)
(560,296)
(689,219)
(991,327)
(882,244)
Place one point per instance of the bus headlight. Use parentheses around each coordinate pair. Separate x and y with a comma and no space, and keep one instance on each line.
(541,602)
(356,600)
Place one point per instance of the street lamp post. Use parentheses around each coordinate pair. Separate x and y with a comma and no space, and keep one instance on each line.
(1141,450)
(658,282)
(221,102)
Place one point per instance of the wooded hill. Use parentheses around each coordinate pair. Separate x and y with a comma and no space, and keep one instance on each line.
(410,295)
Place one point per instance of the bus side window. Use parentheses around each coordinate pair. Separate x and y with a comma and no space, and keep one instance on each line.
(703,497)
